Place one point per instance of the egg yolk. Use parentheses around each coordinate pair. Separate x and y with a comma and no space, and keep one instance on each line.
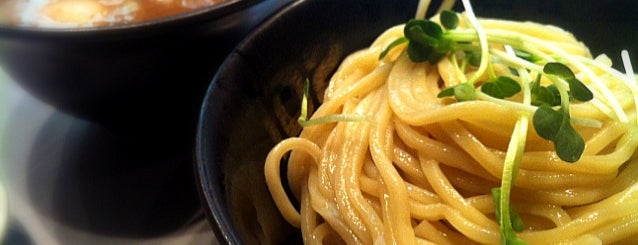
(75,11)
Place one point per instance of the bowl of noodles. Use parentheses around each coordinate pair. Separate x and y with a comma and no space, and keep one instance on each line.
(410,122)
(123,63)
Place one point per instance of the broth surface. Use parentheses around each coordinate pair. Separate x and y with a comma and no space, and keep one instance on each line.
(89,13)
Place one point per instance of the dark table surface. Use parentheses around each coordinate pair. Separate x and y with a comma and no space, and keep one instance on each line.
(70,181)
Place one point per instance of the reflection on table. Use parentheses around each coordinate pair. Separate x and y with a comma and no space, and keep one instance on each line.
(70,181)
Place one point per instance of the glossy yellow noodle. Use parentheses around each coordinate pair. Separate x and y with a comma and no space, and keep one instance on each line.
(421,170)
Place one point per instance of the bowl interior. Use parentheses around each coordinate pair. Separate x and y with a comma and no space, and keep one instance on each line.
(253,102)
(254,99)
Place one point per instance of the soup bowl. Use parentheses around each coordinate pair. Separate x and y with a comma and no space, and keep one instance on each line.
(143,78)
(254,100)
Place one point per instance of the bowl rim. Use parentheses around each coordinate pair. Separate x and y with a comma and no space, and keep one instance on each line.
(207,179)
(215,11)
(210,193)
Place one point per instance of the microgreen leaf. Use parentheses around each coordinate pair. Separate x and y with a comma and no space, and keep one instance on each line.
(462,92)
(436,56)
(473,57)
(542,95)
(449,19)
(426,41)
(447,92)
(559,70)
(554,91)
(517,221)
(556,127)
(501,87)
(424,32)
(579,90)
(508,236)
(392,45)
(419,52)
(568,143)
(444,46)
(547,122)
(431,28)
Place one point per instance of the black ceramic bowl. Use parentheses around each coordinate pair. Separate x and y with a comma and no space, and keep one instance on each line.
(254,99)
(131,77)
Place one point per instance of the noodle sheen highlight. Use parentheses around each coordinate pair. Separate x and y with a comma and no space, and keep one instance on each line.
(422,169)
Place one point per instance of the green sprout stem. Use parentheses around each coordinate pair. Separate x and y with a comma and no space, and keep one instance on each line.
(469,35)
(305,122)
(514,61)
(511,165)
(605,92)
(458,69)
(630,79)
(333,118)
(483,42)
(545,106)
(513,159)
(516,106)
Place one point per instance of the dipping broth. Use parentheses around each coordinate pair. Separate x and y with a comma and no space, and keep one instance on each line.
(92,13)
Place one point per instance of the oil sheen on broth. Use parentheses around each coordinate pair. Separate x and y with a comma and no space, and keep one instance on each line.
(90,13)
